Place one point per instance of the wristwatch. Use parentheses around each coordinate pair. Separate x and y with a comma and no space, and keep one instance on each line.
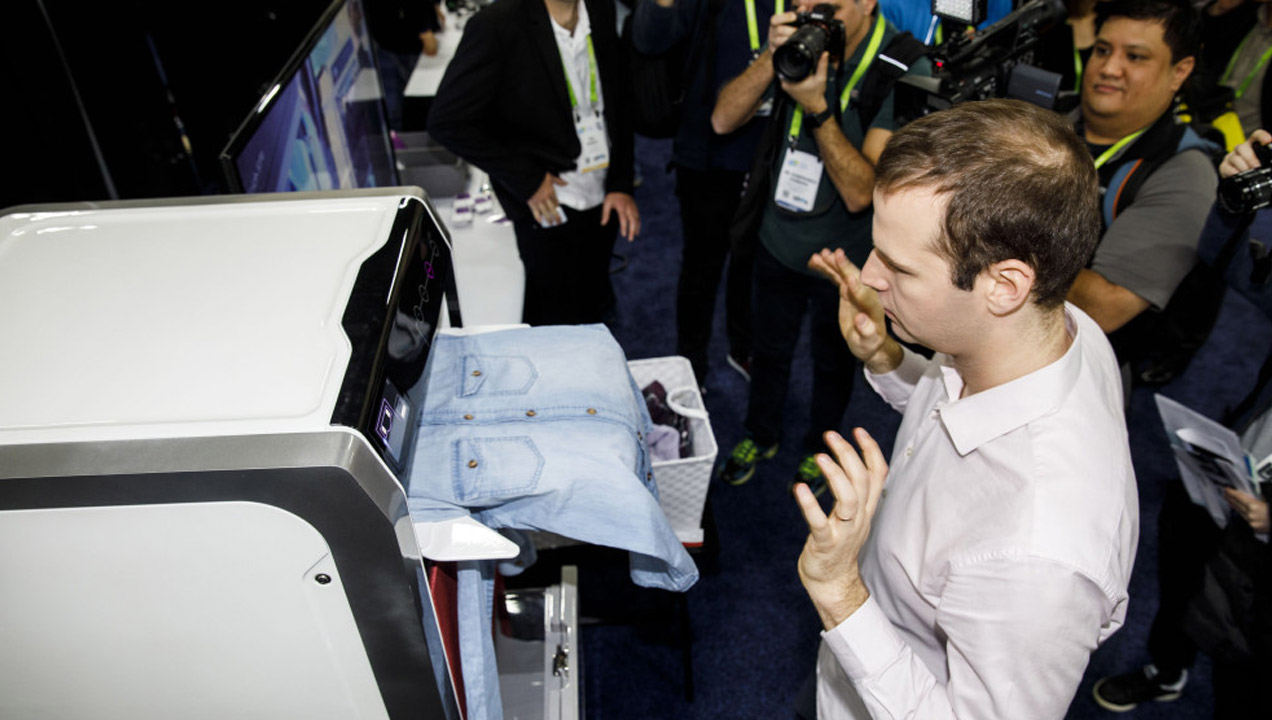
(815,121)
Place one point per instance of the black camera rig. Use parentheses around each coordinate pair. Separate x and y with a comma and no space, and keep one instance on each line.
(990,63)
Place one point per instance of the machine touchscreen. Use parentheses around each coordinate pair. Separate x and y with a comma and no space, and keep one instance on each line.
(383,386)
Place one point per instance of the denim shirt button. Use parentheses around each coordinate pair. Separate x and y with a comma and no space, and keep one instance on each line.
(476,373)
(591,411)
(530,413)
(472,463)
(468,417)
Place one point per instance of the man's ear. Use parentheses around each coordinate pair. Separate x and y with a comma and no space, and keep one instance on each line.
(1008,284)
(1181,71)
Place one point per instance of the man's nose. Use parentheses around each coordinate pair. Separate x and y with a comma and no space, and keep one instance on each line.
(1113,65)
(872,272)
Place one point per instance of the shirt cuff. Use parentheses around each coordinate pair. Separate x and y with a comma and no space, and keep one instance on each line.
(902,378)
(866,643)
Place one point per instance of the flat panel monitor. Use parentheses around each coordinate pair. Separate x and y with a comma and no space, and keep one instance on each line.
(321,124)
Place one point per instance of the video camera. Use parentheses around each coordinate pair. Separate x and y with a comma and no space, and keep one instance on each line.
(1251,190)
(990,63)
(818,31)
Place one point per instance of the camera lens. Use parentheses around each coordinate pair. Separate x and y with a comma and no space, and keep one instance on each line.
(797,58)
(1247,192)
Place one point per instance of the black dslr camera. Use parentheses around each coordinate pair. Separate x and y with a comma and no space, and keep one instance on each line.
(818,31)
(1251,190)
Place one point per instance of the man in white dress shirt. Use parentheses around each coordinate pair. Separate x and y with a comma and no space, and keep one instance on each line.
(998,558)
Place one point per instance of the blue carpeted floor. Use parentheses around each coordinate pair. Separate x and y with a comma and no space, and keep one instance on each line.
(754,634)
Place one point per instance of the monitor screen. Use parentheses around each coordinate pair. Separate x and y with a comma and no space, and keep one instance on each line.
(321,124)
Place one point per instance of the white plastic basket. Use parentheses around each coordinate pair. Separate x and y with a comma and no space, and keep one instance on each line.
(682,484)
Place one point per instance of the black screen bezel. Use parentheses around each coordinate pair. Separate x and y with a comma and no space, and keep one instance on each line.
(269,99)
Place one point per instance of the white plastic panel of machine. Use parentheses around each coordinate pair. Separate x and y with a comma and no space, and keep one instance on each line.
(149,645)
(205,417)
(168,304)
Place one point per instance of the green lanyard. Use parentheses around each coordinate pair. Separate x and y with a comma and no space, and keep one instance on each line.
(1077,71)
(1245,84)
(1104,156)
(797,119)
(753,27)
(591,75)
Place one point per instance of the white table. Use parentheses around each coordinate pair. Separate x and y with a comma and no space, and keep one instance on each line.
(429,69)
(489,276)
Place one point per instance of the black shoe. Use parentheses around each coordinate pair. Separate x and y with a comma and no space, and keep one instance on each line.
(741,463)
(1121,693)
(811,475)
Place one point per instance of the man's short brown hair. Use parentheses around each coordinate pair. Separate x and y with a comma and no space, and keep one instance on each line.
(1019,184)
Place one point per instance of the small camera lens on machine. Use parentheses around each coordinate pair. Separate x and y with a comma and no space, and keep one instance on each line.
(817,31)
(1251,190)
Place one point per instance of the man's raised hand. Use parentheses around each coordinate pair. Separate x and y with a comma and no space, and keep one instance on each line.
(861,318)
(828,564)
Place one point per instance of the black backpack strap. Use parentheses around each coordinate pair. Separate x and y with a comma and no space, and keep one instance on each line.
(893,62)
(1170,140)
(756,188)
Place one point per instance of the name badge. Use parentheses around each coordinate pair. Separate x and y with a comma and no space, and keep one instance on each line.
(593,140)
(798,181)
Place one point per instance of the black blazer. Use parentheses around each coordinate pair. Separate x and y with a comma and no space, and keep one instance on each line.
(504,107)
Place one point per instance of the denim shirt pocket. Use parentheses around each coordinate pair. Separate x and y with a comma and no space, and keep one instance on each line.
(497,375)
(502,468)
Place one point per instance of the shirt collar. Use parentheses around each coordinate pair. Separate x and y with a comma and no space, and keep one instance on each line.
(977,419)
(582,28)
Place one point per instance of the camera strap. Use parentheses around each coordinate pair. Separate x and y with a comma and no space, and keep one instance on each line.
(753,26)
(1116,147)
(872,50)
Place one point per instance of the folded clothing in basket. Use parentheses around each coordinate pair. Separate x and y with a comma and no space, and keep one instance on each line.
(666,421)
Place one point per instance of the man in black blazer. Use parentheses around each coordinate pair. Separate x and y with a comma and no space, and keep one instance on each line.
(559,153)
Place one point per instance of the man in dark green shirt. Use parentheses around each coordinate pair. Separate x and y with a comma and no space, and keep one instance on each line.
(821,185)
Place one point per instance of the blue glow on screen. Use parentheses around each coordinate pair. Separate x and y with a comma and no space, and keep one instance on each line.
(325,129)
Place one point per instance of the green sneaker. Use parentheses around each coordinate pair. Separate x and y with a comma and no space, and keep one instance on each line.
(810,474)
(742,461)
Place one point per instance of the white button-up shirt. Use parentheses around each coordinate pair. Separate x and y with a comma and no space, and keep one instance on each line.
(1000,557)
(583,190)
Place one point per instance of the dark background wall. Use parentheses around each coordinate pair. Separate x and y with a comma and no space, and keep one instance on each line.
(161,87)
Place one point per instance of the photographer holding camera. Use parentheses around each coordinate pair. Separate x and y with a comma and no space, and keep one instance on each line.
(810,187)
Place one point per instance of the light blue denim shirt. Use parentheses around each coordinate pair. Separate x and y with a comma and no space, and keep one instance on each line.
(538,428)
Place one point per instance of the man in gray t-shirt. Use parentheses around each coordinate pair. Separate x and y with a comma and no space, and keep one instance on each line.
(1158,185)
(1157,179)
